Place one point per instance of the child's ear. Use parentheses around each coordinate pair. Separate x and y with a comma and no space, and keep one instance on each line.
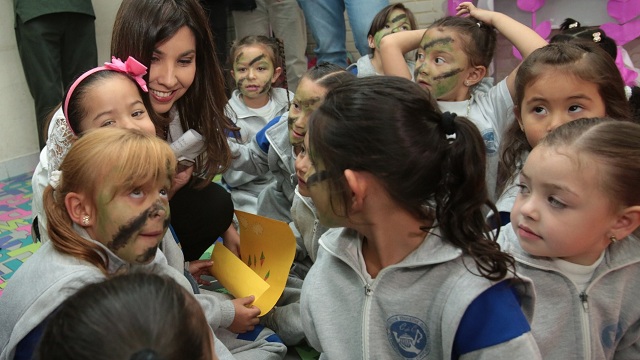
(475,75)
(276,74)
(371,41)
(79,209)
(627,222)
(233,74)
(518,114)
(358,185)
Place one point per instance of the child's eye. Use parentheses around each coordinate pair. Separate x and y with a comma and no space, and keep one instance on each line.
(295,106)
(241,69)
(420,56)
(387,26)
(262,68)
(439,60)
(539,110)
(575,108)
(164,192)
(405,28)
(523,189)
(136,193)
(137,113)
(154,59)
(107,123)
(556,203)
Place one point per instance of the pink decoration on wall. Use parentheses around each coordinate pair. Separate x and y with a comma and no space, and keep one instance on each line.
(530,5)
(628,75)
(624,33)
(623,10)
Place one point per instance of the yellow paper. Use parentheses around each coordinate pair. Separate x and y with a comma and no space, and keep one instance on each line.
(267,247)
(234,275)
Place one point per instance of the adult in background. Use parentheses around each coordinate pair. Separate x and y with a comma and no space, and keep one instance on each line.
(326,22)
(57,42)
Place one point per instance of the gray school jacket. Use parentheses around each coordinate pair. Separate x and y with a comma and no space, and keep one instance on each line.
(308,233)
(270,150)
(49,277)
(410,310)
(601,322)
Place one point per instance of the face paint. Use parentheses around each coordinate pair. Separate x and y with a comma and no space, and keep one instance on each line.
(308,97)
(132,223)
(254,72)
(442,66)
(396,21)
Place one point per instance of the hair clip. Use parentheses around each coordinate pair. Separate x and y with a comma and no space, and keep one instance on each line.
(479,24)
(574,25)
(596,37)
(449,126)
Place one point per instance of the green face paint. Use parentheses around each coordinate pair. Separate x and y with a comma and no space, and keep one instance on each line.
(396,21)
(253,72)
(441,66)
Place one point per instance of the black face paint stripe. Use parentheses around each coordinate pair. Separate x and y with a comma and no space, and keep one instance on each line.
(121,238)
(240,82)
(149,254)
(447,74)
(238,57)
(432,43)
(256,59)
(401,16)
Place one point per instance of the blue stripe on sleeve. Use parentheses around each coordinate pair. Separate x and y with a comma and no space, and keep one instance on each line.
(492,318)
(261,136)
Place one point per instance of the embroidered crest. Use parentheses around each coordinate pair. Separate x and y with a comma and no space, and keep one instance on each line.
(408,336)
(489,137)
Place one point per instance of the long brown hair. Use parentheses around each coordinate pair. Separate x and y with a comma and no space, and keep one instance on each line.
(139,27)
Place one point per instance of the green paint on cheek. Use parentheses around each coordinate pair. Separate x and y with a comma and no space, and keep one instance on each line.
(378,37)
(444,86)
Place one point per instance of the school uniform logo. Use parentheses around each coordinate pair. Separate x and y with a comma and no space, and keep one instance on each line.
(408,336)
(489,137)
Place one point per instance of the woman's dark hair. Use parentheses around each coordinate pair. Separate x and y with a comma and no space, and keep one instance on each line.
(140,26)
(392,129)
(581,59)
(479,39)
(131,316)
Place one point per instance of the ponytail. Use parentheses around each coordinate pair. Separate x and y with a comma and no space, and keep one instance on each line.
(64,238)
(461,196)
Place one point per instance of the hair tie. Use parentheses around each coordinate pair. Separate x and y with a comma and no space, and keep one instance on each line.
(596,37)
(573,25)
(449,126)
(54,179)
(144,354)
(479,24)
(131,67)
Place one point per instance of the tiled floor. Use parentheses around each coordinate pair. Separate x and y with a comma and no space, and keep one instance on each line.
(16,244)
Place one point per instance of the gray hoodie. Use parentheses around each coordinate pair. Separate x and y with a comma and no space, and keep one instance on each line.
(410,310)
(601,322)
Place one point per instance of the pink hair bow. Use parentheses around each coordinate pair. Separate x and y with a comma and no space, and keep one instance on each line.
(132,67)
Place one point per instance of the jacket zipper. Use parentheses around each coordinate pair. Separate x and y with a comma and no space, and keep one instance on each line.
(586,333)
(368,292)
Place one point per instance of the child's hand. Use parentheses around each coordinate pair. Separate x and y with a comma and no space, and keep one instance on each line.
(197,268)
(485,16)
(246,315)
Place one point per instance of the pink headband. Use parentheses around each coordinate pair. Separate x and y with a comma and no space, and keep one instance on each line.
(131,67)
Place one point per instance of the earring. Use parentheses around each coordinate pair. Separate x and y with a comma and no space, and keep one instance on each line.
(613,239)
(466,83)
(85,220)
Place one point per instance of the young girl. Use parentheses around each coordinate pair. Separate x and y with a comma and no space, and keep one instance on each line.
(272,147)
(257,64)
(107,213)
(391,19)
(186,91)
(574,233)
(284,319)
(579,91)
(453,56)
(129,328)
(572,31)
(109,95)
(415,271)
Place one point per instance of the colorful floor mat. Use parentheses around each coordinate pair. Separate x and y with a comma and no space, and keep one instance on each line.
(16,244)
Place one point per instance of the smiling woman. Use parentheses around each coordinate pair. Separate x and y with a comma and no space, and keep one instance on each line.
(186,91)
